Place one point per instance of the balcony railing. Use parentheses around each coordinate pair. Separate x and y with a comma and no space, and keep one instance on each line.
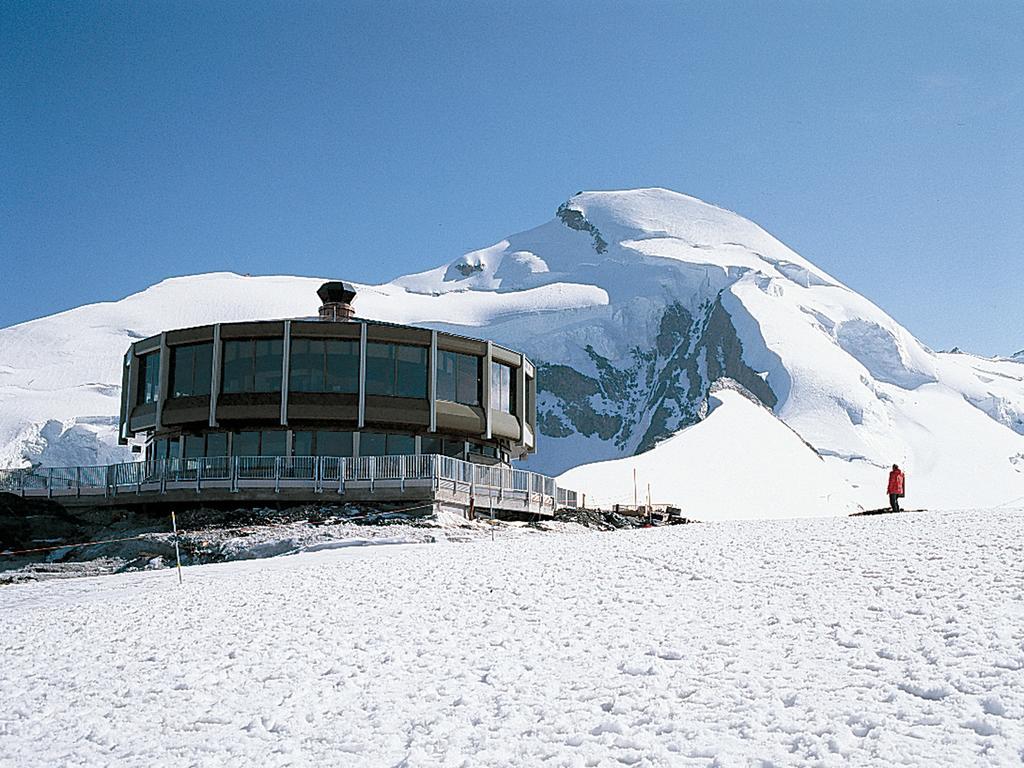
(483,484)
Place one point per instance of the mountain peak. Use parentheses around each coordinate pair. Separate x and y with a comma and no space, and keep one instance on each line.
(600,232)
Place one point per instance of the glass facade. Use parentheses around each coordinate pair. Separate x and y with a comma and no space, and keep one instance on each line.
(397,370)
(386,444)
(270,442)
(321,443)
(502,388)
(191,366)
(333,443)
(444,446)
(164,448)
(217,444)
(324,365)
(458,377)
(252,365)
(149,378)
(274,442)
(484,450)
(195,447)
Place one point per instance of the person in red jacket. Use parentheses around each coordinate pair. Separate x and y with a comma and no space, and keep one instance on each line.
(896,484)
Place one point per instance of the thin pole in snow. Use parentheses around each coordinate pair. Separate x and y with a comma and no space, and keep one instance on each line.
(177,550)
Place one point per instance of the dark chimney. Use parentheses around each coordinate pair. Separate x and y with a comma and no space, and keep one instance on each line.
(337,301)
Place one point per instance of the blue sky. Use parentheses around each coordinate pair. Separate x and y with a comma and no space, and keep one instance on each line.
(883,141)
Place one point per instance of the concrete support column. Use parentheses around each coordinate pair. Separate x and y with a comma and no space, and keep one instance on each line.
(286,355)
(362,375)
(520,388)
(217,356)
(163,380)
(431,383)
(127,396)
(487,391)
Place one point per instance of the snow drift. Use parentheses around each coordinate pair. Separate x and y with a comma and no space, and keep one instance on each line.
(633,304)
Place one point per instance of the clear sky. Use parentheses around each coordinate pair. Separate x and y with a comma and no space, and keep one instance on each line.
(883,141)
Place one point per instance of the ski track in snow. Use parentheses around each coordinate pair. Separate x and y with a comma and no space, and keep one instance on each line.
(858,641)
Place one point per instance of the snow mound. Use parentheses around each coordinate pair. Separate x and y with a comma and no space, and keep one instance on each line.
(710,471)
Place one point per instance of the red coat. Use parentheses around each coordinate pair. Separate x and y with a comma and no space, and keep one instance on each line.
(896,482)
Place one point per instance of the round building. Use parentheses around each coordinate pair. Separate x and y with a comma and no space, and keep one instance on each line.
(335,385)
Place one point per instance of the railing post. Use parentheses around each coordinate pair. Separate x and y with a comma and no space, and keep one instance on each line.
(401,473)
(49,483)
(21,476)
(373,472)
(341,475)
(163,475)
(199,475)
(78,482)
(111,481)
(234,474)
(277,474)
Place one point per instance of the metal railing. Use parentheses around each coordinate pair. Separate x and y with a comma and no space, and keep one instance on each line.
(481,485)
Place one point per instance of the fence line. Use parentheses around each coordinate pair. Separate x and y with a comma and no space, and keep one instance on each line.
(319,473)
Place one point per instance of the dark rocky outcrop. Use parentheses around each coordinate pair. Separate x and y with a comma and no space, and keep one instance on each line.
(574,219)
(660,392)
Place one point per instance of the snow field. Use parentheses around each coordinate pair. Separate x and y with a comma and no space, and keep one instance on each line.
(709,471)
(857,641)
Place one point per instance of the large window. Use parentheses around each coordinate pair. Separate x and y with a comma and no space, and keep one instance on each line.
(502,388)
(149,377)
(321,443)
(271,442)
(163,448)
(386,444)
(396,369)
(484,450)
(217,444)
(212,444)
(252,365)
(444,446)
(195,447)
(190,369)
(324,365)
(458,377)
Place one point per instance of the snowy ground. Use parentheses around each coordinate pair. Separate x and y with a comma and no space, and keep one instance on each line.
(857,641)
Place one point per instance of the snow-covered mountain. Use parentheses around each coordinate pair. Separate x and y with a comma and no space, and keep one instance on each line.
(633,304)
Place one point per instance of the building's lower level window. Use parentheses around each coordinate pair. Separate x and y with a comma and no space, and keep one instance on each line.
(195,447)
(386,444)
(321,443)
(164,448)
(217,444)
(484,450)
(271,442)
(443,446)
